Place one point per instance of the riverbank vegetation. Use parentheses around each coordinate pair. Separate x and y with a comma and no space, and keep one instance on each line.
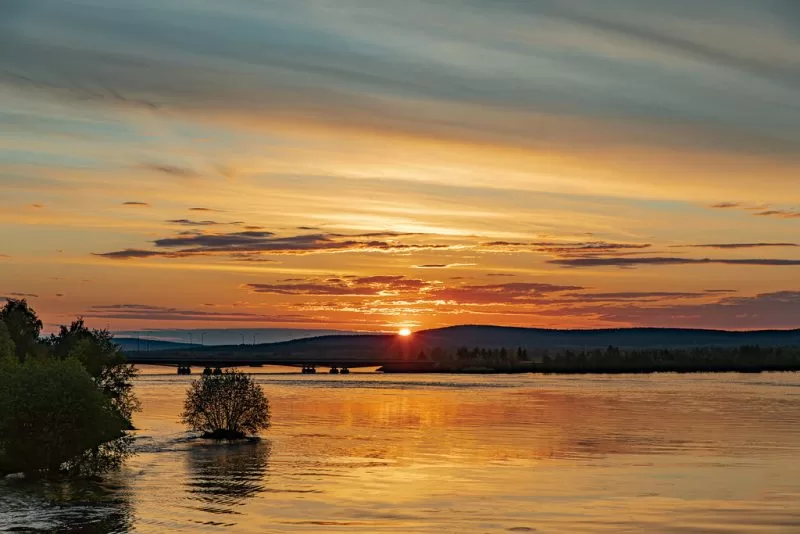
(66,401)
(609,360)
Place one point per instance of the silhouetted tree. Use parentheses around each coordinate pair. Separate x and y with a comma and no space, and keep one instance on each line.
(23,327)
(60,420)
(7,351)
(226,406)
(102,359)
(53,418)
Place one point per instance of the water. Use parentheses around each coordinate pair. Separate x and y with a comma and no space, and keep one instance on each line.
(446,453)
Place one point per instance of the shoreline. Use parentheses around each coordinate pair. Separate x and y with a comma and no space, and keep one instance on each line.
(590,371)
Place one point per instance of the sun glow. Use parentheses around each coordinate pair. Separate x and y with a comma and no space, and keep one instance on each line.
(405,332)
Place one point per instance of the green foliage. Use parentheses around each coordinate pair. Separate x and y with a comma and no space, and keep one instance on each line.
(226,406)
(7,345)
(54,417)
(616,360)
(23,327)
(102,359)
(64,403)
(698,359)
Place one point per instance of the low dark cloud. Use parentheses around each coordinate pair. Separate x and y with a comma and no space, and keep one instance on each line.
(204,209)
(189,222)
(508,275)
(145,312)
(738,245)
(172,170)
(562,248)
(136,203)
(130,253)
(442,265)
(23,295)
(762,210)
(258,242)
(639,295)
(37,206)
(720,290)
(635,262)
(359,286)
(780,213)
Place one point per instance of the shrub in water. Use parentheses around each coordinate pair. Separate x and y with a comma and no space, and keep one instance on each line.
(226,406)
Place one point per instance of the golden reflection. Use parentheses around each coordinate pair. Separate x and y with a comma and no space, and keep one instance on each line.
(371,452)
(223,476)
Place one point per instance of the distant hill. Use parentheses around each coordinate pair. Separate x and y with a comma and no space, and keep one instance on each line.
(165,339)
(378,347)
(134,344)
(499,336)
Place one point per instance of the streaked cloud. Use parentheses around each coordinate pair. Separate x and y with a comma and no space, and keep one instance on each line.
(264,242)
(189,222)
(763,210)
(783,214)
(171,170)
(358,286)
(738,245)
(442,265)
(145,312)
(635,262)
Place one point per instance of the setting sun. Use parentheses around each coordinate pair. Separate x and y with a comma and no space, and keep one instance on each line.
(404,332)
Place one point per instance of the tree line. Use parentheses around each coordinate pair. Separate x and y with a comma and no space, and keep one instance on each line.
(66,400)
(746,358)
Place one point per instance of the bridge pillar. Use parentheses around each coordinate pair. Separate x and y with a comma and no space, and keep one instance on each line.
(334,371)
(344,371)
(309,369)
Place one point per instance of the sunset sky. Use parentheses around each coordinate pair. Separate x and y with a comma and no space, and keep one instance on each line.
(372,165)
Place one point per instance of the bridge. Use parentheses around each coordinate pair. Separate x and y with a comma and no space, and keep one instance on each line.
(215,358)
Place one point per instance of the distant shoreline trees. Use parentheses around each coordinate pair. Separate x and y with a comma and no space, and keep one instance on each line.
(746,359)
(66,401)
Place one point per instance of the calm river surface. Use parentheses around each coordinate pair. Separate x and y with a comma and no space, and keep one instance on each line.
(455,453)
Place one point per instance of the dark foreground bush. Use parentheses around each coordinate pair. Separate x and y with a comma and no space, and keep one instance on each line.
(226,406)
(54,418)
